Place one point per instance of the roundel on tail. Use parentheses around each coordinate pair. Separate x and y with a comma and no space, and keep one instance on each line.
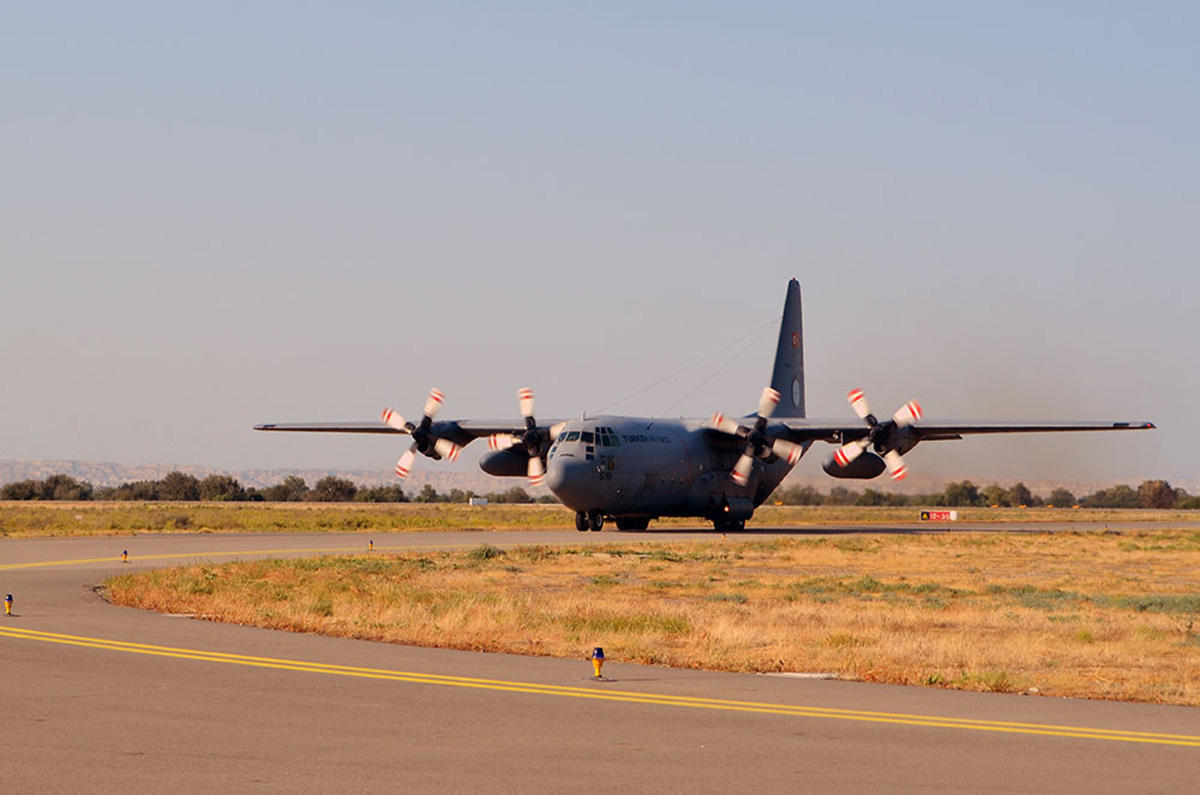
(796,392)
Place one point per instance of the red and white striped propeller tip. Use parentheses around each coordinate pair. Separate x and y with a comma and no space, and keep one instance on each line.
(858,401)
(847,453)
(787,450)
(535,471)
(525,396)
(395,420)
(447,449)
(722,423)
(768,402)
(404,465)
(896,465)
(501,441)
(741,470)
(434,402)
(909,413)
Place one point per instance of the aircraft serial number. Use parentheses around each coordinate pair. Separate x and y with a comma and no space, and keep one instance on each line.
(642,437)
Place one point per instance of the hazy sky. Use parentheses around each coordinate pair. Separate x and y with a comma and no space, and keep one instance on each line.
(218,214)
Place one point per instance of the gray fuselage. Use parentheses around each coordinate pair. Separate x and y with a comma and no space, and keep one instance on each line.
(631,466)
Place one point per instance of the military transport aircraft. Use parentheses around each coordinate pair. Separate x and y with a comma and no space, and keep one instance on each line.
(635,469)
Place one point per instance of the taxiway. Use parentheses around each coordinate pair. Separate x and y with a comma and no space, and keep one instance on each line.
(100,698)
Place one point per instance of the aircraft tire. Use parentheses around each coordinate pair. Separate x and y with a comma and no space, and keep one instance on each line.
(595,521)
(581,521)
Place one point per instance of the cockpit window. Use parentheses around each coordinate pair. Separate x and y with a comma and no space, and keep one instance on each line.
(587,437)
(561,436)
(572,436)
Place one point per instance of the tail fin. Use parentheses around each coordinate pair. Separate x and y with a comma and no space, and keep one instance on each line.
(788,376)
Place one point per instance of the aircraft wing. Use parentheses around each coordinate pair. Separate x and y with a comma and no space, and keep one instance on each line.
(461,432)
(841,431)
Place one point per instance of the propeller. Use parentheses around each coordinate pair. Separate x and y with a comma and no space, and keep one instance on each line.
(531,439)
(879,434)
(757,444)
(424,440)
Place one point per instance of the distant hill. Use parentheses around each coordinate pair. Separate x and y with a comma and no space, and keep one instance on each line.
(106,473)
(103,473)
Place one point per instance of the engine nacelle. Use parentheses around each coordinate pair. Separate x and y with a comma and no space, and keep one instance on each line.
(866,466)
(510,463)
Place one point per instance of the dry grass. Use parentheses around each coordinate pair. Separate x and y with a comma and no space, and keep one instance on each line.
(24,519)
(1101,615)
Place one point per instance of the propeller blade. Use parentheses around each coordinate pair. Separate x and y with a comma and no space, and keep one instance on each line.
(787,450)
(501,441)
(536,472)
(858,401)
(768,402)
(434,403)
(723,424)
(525,396)
(741,470)
(895,465)
(404,465)
(397,421)
(447,449)
(848,452)
(908,414)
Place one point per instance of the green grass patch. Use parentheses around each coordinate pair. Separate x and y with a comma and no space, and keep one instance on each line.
(1160,603)
(736,598)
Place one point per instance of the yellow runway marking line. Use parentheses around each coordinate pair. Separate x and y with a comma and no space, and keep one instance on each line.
(660,699)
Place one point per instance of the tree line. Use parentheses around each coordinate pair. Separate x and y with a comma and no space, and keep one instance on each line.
(1157,494)
(181,487)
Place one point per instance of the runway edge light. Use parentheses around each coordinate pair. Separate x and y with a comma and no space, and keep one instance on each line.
(8,604)
(597,660)
(124,555)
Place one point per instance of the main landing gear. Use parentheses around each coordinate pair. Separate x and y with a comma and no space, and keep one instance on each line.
(592,520)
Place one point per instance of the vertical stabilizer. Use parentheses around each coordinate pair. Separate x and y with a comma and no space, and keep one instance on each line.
(788,376)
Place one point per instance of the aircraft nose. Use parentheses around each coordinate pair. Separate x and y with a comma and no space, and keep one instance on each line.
(569,479)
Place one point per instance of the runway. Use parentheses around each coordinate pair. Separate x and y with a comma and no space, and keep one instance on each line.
(102,698)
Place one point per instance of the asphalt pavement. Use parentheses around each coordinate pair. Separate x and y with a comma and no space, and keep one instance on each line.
(101,698)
